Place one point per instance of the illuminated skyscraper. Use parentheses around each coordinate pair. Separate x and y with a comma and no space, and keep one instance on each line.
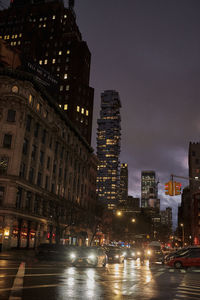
(47,35)
(149,193)
(123,193)
(108,148)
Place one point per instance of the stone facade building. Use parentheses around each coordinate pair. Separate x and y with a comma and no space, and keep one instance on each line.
(47,169)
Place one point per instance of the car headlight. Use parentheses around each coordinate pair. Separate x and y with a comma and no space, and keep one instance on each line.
(138,253)
(148,252)
(91,256)
(72,255)
(116,256)
(133,254)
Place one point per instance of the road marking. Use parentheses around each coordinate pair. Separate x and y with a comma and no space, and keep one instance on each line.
(18,283)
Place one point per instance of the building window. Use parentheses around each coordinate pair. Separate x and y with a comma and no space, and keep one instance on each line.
(28,123)
(45,61)
(61,88)
(3,165)
(53,17)
(48,163)
(22,170)
(7,141)
(2,190)
(25,147)
(82,110)
(68,51)
(60,53)
(19,198)
(53,61)
(65,106)
(87,112)
(31,175)
(36,131)
(44,134)
(39,179)
(38,106)
(11,115)
(30,99)
(34,149)
(28,201)
(78,108)
(41,158)
(65,76)
(67,88)
(40,62)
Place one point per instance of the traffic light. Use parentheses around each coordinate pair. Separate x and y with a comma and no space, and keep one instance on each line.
(177,188)
(169,189)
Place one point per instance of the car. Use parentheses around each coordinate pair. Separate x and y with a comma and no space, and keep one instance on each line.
(188,258)
(115,255)
(88,256)
(178,252)
(154,254)
(133,253)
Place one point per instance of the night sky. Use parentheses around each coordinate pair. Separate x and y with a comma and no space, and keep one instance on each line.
(148,51)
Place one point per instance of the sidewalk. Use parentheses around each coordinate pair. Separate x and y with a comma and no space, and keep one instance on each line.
(18,254)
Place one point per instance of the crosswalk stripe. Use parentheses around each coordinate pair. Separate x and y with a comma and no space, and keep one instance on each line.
(189,288)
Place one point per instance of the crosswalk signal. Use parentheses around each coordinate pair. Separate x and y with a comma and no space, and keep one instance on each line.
(169,188)
(177,188)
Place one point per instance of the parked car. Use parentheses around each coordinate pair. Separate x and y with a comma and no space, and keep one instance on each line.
(178,252)
(88,256)
(189,258)
(115,255)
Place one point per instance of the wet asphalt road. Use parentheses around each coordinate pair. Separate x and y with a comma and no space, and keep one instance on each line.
(129,280)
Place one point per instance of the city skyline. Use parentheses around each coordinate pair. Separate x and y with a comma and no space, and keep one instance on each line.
(152,52)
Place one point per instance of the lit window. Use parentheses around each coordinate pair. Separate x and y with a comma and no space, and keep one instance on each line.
(65,16)
(45,18)
(39,25)
(45,61)
(20,35)
(65,76)
(40,62)
(44,25)
(53,17)
(13,36)
(16,36)
(38,106)
(61,88)
(60,105)
(19,42)
(41,19)
(68,51)
(60,53)
(58,69)
(78,108)
(82,110)
(30,99)
(87,112)
(53,61)
(65,106)
(14,43)
(67,87)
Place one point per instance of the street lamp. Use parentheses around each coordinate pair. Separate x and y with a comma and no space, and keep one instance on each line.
(119,213)
(182,226)
(133,220)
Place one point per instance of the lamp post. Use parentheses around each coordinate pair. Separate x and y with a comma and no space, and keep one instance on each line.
(133,220)
(183,234)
